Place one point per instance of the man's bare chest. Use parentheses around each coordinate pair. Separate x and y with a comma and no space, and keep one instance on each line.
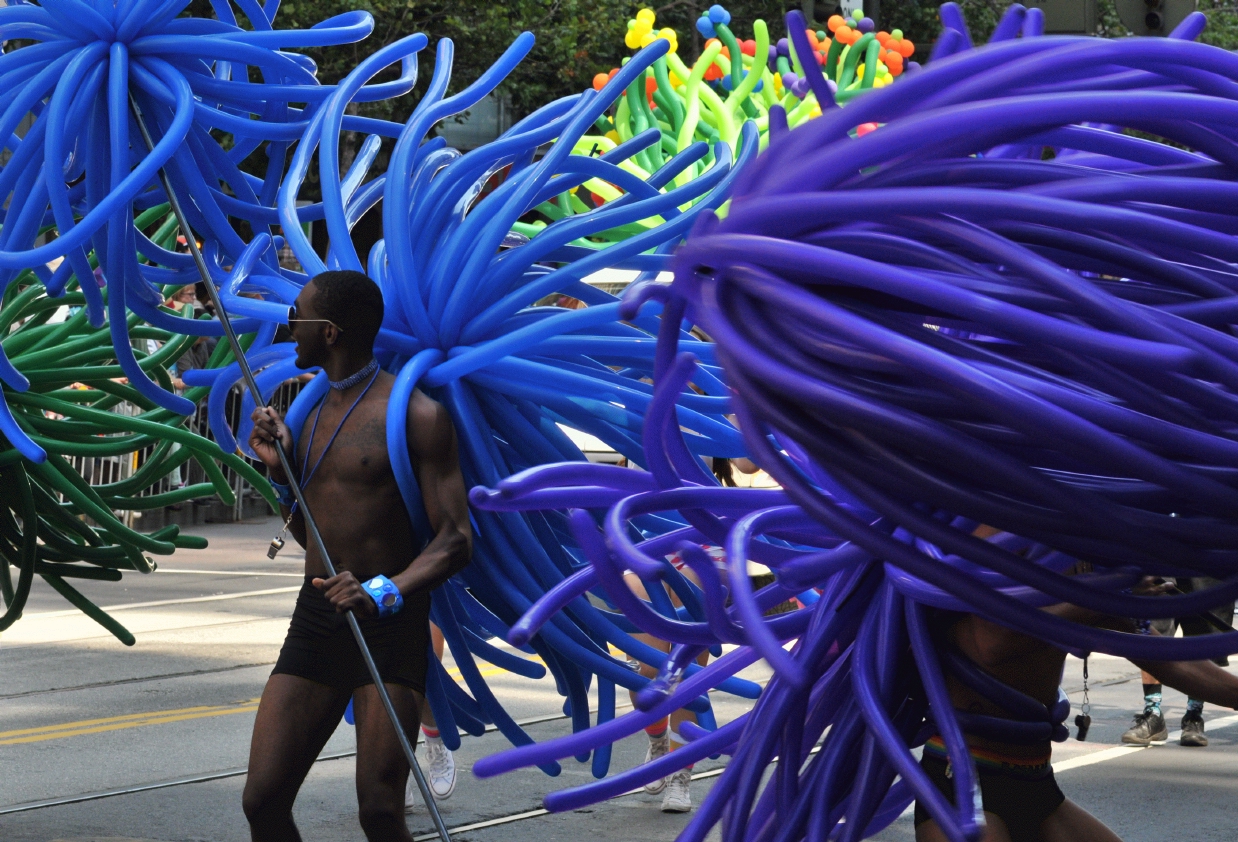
(353,452)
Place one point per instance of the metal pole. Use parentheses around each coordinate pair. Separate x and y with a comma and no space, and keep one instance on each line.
(310,526)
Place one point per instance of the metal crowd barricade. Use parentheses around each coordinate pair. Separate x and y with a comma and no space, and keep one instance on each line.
(100,470)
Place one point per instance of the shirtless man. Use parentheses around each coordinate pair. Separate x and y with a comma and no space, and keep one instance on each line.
(1022,802)
(342,463)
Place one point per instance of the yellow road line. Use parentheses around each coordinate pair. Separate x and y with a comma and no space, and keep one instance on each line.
(117,723)
(141,720)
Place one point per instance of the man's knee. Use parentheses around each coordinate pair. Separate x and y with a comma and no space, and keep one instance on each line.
(380,812)
(263,804)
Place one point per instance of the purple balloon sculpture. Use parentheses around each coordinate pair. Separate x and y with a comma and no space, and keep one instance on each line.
(998,308)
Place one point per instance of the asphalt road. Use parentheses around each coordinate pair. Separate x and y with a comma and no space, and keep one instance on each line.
(83,717)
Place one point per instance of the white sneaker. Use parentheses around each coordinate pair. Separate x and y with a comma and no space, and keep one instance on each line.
(678,797)
(658,747)
(442,769)
(441,775)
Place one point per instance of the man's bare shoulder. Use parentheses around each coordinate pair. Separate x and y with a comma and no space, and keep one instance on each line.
(430,429)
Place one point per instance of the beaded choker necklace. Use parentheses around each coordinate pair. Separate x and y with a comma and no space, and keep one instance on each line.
(353,379)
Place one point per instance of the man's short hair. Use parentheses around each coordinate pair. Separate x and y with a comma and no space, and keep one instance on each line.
(353,302)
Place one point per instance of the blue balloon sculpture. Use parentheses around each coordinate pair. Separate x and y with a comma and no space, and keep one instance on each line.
(460,289)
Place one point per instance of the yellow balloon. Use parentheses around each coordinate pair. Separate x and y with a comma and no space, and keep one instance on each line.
(647,39)
(646,16)
(632,39)
(612,136)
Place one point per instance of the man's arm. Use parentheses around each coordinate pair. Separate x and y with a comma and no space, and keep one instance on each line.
(269,426)
(1198,679)
(435,455)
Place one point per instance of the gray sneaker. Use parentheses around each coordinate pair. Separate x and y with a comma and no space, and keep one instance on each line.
(678,797)
(1148,729)
(1193,731)
(658,747)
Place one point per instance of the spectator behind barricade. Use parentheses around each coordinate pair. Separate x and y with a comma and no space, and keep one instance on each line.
(199,353)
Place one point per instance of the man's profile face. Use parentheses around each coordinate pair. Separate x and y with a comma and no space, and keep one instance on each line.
(308,335)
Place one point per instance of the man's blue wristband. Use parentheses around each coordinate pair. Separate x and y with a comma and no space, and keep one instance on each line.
(286,497)
(385,595)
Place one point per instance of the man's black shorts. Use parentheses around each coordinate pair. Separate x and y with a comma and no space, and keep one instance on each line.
(1021,803)
(320,646)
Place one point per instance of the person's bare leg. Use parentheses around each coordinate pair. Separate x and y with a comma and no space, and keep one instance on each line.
(382,770)
(995,831)
(1071,823)
(295,719)
(649,671)
(683,714)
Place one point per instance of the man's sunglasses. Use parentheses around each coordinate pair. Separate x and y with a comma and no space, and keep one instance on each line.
(294,317)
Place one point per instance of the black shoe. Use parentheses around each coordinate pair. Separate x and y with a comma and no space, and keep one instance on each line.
(1148,729)
(1193,730)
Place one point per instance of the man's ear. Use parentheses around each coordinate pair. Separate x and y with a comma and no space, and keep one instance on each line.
(331,335)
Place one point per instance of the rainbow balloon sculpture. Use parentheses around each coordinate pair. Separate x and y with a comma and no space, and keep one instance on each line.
(705,102)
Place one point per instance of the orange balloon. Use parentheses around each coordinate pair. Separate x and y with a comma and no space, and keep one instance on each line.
(599,81)
(834,22)
(906,49)
(611,75)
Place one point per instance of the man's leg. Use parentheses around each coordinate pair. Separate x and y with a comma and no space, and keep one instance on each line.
(295,719)
(995,831)
(382,769)
(1071,823)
